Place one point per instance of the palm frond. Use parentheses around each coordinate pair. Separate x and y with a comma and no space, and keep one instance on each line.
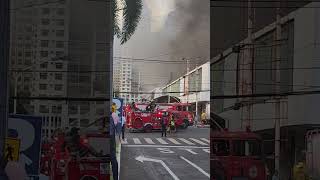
(116,25)
(131,15)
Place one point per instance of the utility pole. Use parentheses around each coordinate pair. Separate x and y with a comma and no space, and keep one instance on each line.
(277,89)
(187,81)
(4,66)
(197,91)
(247,71)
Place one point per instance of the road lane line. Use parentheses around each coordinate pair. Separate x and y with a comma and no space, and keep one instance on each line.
(149,141)
(173,141)
(198,141)
(186,141)
(161,141)
(204,139)
(195,166)
(189,150)
(136,141)
(164,146)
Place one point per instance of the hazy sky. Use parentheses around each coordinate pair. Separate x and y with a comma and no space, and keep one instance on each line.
(169,30)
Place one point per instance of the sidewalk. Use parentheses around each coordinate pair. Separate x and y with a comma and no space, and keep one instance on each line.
(118,152)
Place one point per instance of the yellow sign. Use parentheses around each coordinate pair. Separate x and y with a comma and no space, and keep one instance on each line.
(12,149)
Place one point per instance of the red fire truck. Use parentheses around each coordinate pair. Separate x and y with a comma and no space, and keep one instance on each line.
(90,166)
(236,155)
(142,118)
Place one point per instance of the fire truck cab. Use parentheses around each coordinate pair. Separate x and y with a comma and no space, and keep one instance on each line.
(91,166)
(236,156)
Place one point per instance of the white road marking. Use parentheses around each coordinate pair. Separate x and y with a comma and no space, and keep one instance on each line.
(173,141)
(206,150)
(161,141)
(149,141)
(186,141)
(141,159)
(136,141)
(189,150)
(164,146)
(198,141)
(165,150)
(204,139)
(195,166)
(125,141)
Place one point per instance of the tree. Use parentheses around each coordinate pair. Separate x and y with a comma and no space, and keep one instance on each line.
(131,15)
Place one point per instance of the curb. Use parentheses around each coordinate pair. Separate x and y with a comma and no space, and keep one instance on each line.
(119,158)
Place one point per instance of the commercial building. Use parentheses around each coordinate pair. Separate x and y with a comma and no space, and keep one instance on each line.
(298,75)
(193,87)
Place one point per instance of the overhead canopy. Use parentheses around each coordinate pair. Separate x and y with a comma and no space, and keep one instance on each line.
(167,99)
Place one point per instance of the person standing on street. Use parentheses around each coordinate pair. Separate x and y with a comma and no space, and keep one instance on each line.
(123,125)
(164,123)
(275,175)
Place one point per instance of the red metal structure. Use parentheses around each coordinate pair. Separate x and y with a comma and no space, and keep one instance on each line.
(93,166)
(236,155)
(142,118)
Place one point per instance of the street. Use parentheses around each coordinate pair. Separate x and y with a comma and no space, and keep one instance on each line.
(182,155)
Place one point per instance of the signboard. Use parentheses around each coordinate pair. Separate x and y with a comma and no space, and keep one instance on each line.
(119,110)
(28,130)
(12,149)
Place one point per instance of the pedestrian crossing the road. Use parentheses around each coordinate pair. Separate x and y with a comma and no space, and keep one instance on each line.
(167,141)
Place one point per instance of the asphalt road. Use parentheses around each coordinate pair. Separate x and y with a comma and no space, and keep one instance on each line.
(180,156)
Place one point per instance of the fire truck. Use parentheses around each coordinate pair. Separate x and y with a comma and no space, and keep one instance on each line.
(92,164)
(236,155)
(143,118)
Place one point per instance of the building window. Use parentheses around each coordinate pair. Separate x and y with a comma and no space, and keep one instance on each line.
(59,44)
(60,11)
(43,109)
(43,75)
(73,122)
(59,65)
(43,86)
(45,21)
(44,65)
(58,76)
(44,54)
(44,43)
(84,122)
(28,54)
(59,53)
(58,87)
(44,32)
(60,22)
(57,109)
(60,33)
(45,11)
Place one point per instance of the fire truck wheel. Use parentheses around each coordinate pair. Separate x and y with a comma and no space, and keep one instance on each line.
(148,128)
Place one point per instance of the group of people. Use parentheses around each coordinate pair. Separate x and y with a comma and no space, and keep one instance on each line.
(167,124)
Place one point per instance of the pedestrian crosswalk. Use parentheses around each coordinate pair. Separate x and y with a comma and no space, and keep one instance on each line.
(167,141)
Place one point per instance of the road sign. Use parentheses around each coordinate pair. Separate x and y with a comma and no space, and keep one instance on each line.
(28,130)
(12,149)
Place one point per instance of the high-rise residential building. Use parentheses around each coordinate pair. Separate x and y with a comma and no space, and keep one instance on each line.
(59,51)
(126,80)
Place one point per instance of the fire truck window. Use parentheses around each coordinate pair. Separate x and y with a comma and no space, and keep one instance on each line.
(184,108)
(246,148)
(179,108)
(221,147)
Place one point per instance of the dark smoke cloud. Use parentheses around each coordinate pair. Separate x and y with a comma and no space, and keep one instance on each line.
(192,18)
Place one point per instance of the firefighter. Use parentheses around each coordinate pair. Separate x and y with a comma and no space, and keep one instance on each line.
(164,123)
(172,126)
(203,118)
(299,172)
